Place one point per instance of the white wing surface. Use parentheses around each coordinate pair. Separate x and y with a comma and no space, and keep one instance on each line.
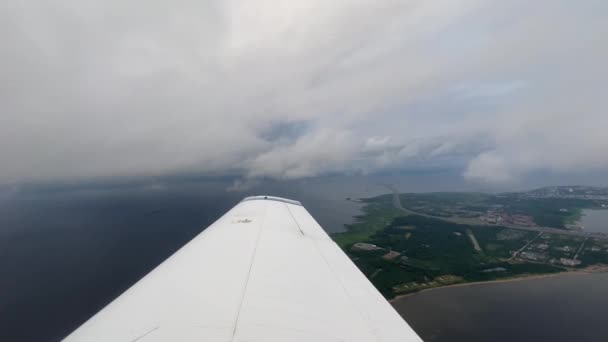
(265,271)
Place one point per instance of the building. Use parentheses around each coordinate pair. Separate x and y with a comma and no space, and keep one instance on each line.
(365,247)
(391,255)
(569,262)
(532,256)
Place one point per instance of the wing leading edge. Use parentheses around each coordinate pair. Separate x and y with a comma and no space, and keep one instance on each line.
(265,271)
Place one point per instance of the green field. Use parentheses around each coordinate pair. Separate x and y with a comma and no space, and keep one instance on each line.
(431,250)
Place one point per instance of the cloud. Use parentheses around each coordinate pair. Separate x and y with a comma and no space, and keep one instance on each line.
(489,166)
(319,152)
(283,89)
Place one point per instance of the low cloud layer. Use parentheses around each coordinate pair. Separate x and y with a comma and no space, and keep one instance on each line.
(286,89)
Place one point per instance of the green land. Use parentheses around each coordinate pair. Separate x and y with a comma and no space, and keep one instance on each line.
(405,243)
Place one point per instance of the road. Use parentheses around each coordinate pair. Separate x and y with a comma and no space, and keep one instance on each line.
(375,273)
(580,249)
(525,246)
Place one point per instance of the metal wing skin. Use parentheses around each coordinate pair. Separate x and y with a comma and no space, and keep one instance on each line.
(265,271)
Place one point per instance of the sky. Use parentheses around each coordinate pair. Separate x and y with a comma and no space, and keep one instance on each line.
(288,89)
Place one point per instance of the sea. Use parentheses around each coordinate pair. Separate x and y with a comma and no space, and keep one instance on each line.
(67,250)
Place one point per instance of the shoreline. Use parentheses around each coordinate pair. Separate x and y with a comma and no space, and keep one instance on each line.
(587,270)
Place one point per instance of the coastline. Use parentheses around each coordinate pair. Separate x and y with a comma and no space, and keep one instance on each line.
(369,222)
(587,270)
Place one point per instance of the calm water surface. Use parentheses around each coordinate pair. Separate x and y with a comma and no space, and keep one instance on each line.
(595,220)
(561,308)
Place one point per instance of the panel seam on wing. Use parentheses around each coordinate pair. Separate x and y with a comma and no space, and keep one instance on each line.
(294,219)
(146,333)
(255,248)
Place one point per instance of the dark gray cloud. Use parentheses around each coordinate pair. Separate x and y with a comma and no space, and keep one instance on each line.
(287,89)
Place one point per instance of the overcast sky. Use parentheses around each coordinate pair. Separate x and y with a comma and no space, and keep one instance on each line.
(290,89)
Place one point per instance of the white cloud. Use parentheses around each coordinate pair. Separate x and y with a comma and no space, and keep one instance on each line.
(295,89)
(490,167)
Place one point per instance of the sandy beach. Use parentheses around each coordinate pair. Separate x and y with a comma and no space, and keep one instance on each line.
(590,269)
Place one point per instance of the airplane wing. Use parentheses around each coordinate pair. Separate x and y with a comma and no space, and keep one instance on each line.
(265,271)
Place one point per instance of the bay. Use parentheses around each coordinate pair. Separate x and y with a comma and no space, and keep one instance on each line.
(570,307)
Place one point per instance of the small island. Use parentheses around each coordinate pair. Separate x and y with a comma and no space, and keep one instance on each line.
(405,243)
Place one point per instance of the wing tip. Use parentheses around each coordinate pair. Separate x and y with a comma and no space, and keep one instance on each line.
(271,198)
